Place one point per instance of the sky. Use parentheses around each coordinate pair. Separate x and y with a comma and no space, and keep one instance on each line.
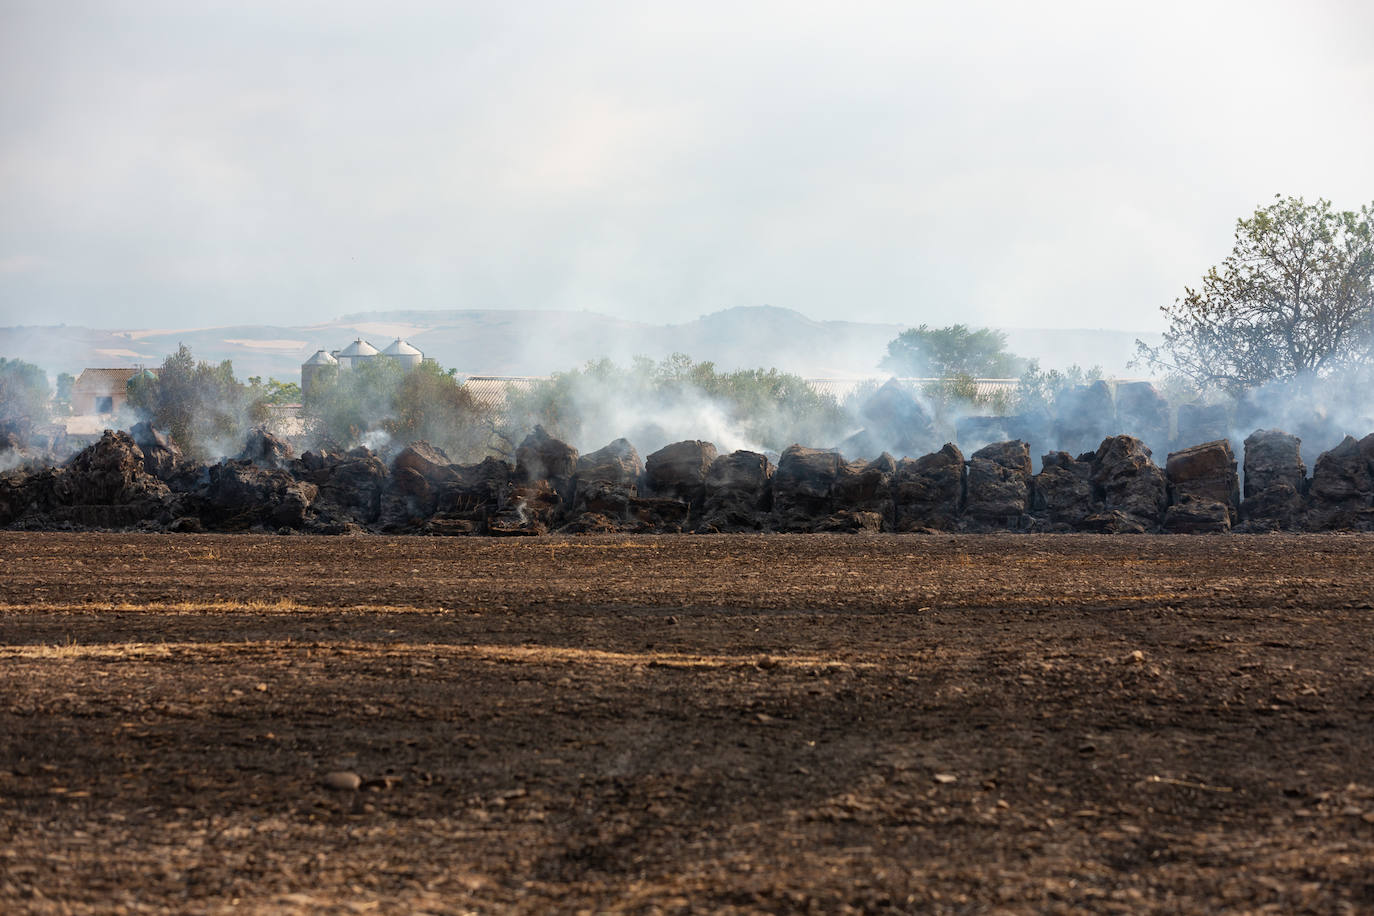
(1049,164)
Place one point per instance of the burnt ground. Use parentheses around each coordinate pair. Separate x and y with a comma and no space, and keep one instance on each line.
(663,724)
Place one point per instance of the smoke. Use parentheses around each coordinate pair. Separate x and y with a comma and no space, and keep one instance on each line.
(1319,410)
(380,402)
(656,404)
(376,440)
(687,415)
(230,438)
(11,459)
(909,419)
(1064,411)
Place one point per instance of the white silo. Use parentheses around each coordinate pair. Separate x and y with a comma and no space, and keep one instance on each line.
(406,356)
(355,354)
(320,369)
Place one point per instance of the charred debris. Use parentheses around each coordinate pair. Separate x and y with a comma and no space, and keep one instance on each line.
(138,480)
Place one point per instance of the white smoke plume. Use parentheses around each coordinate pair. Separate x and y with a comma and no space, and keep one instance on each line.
(653,405)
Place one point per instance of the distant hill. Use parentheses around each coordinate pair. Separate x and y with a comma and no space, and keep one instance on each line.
(532,342)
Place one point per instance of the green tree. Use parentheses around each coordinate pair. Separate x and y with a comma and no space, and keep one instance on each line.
(957,350)
(203,407)
(431,405)
(24,397)
(378,396)
(62,400)
(1293,298)
(275,392)
(342,410)
(1036,389)
(766,407)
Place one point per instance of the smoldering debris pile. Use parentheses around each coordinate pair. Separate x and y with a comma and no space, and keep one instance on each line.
(138,480)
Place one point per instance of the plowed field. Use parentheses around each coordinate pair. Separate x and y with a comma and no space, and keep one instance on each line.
(686,724)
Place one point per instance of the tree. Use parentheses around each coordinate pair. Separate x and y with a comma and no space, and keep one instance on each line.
(430,404)
(1037,389)
(1293,298)
(676,398)
(23,397)
(205,410)
(379,397)
(957,350)
(274,391)
(348,405)
(62,400)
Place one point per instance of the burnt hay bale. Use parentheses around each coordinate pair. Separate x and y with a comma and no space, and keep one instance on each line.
(160,454)
(1062,493)
(350,487)
(1206,471)
(542,457)
(928,492)
(998,486)
(266,450)
(606,480)
(803,487)
(679,471)
(240,495)
(737,493)
(1342,488)
(1275,480)
(1198,515)
(419,473)
(862,496)
(1133,489)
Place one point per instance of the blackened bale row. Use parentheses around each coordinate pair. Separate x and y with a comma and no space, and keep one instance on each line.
(138,480)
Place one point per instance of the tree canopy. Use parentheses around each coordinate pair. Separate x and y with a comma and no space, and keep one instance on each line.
(430,404)
(655,403)
(1037,389)
(948,352)
(24,396)
(379,396)
(62,398)
(203,407)
(275,392)
(1293,298)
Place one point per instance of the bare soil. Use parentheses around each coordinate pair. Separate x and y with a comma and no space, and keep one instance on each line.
(686,724)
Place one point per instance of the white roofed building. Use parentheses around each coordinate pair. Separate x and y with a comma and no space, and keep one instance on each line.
(320,369)
(404,354)
(351,356)
(327,364)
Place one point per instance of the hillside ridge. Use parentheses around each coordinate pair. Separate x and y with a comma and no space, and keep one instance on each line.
(539,341)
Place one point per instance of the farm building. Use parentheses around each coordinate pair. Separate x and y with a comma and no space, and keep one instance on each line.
(494,391)
(102,391)
(319,369)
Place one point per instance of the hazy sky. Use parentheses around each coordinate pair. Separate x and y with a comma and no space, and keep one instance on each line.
(1048,164)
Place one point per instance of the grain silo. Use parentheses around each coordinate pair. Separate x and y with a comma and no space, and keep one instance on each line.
(355,354)
(406,356)
(320,369)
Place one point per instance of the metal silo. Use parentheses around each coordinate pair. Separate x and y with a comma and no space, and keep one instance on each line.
(318,369)
(355,354)
(406,356)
